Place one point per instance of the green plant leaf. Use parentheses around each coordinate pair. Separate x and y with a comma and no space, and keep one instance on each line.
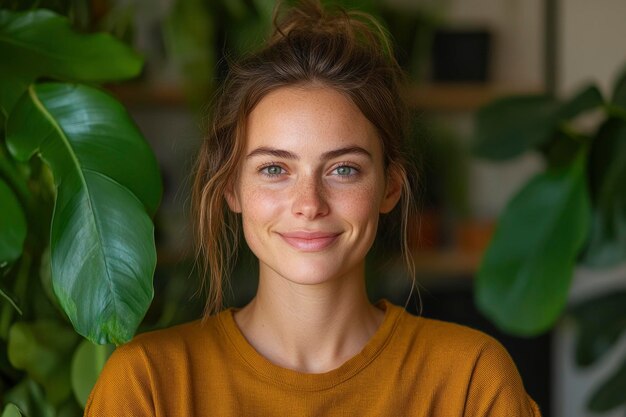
(11,410)
(510,126)
(525,275)
(12,84)
(41,43)
(30,399)
(102,239)
(586,99)
(87,363)
(90,130)
(606,245)
(611,393)
(43,349)
(190,38)
(601,321)
(619,90)
(10,300)
(12,225)
(562,149)
(70,409)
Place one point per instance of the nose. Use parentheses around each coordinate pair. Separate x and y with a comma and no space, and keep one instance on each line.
(309,199)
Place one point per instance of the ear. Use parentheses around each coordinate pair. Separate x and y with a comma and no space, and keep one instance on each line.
(232,199)
(393,190)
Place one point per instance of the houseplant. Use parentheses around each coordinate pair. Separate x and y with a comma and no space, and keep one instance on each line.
(200,36)
(573,213)
(78,187)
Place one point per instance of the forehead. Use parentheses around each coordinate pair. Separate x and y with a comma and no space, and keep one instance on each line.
(311,117)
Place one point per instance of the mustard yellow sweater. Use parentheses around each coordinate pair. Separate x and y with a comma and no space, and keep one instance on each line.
(412,366)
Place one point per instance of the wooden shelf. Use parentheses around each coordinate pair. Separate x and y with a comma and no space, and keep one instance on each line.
(459,97)
(429,97)
(447,263)
(147,94)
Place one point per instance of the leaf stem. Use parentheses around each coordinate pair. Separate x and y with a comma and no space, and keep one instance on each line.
(614,110)
(19,289)
(568,130)
(15,179)
(10,300)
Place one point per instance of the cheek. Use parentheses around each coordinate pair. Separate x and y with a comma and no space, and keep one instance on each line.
(259,208)
(361,204)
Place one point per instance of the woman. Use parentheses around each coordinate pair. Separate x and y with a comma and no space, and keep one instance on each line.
(304,154)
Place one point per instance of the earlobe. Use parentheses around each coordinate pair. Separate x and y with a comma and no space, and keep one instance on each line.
(393,190)
(232,199)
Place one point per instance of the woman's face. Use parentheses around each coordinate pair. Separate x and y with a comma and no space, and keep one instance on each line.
(311,185)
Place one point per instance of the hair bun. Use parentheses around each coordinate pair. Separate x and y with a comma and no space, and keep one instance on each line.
(308,14)
(309,17)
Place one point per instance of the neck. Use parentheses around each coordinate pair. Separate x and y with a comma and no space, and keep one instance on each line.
(309,328)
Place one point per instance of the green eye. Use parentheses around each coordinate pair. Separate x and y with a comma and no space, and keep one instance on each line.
(345,171)
(272,170)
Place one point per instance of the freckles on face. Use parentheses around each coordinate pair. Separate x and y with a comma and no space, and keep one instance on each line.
(311,183)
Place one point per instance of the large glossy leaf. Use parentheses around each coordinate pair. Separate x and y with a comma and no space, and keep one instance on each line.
(87,363)
(12,225)
(43,349)
(12,85)
(586,99)
(102,243)
(610,394)
(607,178)
(510,126)
(41,43)
(11,410)
(29,397)
(601,321)
(524,278)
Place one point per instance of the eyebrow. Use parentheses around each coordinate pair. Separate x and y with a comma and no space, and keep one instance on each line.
(280,153)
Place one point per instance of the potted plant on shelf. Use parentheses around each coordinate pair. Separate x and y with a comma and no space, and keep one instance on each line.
(571,214)
(78,187)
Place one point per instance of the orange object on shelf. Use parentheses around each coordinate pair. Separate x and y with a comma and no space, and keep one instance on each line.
(473,236)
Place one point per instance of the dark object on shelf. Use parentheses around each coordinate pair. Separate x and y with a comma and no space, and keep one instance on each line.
(461,55)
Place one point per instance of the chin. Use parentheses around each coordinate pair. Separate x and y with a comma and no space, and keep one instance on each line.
(308,273)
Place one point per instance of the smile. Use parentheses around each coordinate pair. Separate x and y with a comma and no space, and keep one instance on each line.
(309,241)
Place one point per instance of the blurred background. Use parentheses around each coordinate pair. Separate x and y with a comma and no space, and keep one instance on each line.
(461,55)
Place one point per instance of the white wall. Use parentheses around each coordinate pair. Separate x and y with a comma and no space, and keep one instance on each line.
(592,42)
(516,24)
(518,31)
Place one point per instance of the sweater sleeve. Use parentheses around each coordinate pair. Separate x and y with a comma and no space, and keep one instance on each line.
(496,388)
(123,387)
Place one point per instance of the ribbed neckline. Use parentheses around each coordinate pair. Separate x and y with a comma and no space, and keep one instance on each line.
(305,381)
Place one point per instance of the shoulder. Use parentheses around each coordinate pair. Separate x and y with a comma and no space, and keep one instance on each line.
(445,337)
(201,332)
(454,350)
(473,362)
(172,336)
(455,344)
(158,358)
(147,352)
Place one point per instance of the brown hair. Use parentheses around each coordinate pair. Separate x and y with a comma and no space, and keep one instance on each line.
(347,51)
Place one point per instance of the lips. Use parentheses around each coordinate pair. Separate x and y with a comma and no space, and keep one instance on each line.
(310,241)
